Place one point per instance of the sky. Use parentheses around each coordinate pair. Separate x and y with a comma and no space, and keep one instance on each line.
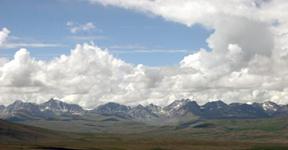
(47,28)
(90,52)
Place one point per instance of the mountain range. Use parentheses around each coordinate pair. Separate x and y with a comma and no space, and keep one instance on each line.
(179,109)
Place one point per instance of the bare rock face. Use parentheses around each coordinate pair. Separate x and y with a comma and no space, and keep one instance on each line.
(57,106)
(185,108)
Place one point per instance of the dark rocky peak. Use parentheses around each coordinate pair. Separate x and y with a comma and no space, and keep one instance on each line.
(141,113)
(18,104)
(154,108)
(112,107)
(215,105)
(2,107)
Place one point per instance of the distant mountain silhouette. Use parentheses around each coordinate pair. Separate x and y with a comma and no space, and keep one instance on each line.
(57,109)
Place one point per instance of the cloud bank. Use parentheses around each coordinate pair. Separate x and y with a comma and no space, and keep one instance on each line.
(247,60)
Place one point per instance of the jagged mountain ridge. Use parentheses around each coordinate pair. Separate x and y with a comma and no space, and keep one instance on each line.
(21,110)
(179,108)
(57,106)
(53,108)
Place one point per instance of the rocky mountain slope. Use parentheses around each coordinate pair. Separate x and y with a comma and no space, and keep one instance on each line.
(57,109)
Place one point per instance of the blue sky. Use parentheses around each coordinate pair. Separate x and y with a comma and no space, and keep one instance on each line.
(133,37)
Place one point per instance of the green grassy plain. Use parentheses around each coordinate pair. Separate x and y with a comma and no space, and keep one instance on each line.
(236,134)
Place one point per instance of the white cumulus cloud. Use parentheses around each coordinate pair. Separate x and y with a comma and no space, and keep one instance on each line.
(247,60)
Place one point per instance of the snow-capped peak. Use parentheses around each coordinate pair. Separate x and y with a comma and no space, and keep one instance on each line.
(177,104)
(56,105)
(270,106)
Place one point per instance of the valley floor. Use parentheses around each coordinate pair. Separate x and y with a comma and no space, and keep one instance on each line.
(253,134)
(139,142)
